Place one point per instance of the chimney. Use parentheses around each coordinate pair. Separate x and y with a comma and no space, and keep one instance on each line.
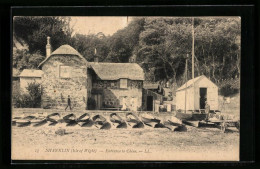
(48,47)
(96,57)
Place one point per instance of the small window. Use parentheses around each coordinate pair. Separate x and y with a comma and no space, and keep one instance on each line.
(113,84)
(65,71)
(123,83)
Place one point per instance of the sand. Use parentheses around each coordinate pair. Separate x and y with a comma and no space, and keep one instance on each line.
(83,143)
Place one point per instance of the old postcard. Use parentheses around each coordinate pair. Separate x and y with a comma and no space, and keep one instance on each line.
(126,88)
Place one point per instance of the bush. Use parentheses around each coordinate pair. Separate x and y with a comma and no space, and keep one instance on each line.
(30,100)
(228,90)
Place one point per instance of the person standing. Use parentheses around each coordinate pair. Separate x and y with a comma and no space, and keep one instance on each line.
(207,110)
(69,103)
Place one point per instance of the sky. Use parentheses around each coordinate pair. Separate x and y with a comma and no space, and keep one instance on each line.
(94,24)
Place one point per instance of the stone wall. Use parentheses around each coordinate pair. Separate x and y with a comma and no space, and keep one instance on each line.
(57,88)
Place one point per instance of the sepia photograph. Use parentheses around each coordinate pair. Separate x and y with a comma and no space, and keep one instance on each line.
(126,88)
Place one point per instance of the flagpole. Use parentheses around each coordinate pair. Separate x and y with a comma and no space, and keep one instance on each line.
(193,53)
(186,79)
(192,47)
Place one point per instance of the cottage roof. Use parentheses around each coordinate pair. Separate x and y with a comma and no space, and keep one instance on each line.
(148,85)
(190,82)
(64,50)
(114,71)
(31,73)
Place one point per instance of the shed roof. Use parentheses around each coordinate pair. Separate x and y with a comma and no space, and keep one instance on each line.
(31,73)
(114,71)
(190,82)
(63,50)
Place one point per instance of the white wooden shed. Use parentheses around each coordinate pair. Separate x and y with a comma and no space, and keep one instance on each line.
(204,89)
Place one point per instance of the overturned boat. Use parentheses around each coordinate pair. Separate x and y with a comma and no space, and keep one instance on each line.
(85,120)
(150,120)
(134,121)
(30,117)
(22,122)
(116,119)
(53,118)
(70,119)
(175,121)
(38,121)
(174,124)
(101,122)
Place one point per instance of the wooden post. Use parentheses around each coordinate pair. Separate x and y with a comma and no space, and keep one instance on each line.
(192,48)
(186,79)
(193,62)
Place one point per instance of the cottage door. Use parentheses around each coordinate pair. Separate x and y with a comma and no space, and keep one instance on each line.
(149,103)
(98,100)
(203,97)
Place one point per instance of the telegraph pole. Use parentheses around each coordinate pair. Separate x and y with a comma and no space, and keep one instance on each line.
(192,29)
(186,79)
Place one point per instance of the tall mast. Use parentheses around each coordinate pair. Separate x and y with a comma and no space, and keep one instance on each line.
(186,79)
(192,29)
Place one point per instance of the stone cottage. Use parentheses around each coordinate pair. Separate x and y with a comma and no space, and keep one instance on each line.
(117,85)
(67,73)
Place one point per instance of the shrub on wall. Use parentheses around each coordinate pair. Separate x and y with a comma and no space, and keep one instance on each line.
(32,99)
(228,90)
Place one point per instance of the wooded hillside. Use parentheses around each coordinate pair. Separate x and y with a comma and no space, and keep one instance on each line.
(159,44)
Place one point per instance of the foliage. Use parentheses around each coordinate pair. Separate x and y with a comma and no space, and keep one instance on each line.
(34,31)
(22,59)
(78,41)
(160,45)
(228,90)
(165,42)
(125,41)
(32,99)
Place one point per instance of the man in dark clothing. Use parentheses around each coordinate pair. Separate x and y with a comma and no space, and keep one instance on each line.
(69,104)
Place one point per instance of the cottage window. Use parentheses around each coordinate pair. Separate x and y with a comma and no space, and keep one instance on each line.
(113,84)
(65,71)
(123,83)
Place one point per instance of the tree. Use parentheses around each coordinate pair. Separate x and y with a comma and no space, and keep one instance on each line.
(35,29)
(124,42)
(22,59)
(165,41)
(86,45)
(162,47)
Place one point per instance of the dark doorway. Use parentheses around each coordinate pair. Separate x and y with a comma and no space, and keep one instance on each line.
(149,103)
(98,101)
(203,97)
